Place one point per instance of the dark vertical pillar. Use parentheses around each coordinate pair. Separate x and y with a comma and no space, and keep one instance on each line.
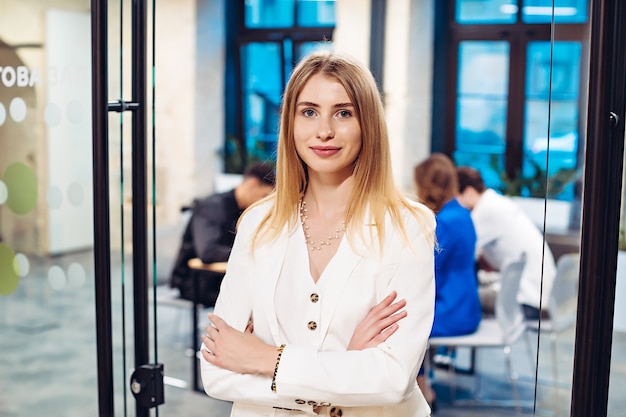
(233,100)
(441,98)
(139,188)
(102,238)
(601,208)
(377,40)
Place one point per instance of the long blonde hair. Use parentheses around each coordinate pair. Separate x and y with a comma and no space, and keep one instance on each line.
(374,189)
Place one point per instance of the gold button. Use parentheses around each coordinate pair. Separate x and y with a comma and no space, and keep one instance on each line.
(300,402)
(312,403)
(314,298)
(312,325)
(336,412)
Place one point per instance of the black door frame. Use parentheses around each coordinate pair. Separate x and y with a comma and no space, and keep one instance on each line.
(602,192)
(102,257)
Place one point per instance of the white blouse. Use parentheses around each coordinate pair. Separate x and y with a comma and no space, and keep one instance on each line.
(295,282)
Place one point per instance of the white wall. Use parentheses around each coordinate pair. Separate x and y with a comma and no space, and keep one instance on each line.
(408,84)
(190,95)
(352,31)
(69,131)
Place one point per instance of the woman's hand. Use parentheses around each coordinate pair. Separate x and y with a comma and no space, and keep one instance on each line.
(236,351)
(380,323)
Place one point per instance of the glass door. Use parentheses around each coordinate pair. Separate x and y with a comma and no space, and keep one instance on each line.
(534,101)
(47,297)
(555,112)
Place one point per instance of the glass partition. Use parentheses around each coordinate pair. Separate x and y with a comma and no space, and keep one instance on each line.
(47,313)
(556,107)
(516,93)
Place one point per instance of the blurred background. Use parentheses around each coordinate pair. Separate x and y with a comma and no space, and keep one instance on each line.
(500,85)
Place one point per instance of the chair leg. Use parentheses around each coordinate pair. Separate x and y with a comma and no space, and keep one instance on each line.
(555,371)
(181,331)
(477,379)
(509,365)
(452,372)
(531,352)
(450,367)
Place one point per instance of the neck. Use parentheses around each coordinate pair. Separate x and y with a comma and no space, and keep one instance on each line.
(328,201)
(326,238)
(241,196)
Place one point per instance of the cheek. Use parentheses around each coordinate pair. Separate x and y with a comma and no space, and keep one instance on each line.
(355,139)
(354,132)
(300,144)
(299,133)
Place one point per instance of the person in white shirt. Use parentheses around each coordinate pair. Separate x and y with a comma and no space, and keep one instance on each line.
(328,298)
(504,233)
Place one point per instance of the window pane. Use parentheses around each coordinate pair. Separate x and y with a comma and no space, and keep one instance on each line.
(269,13)
(486,11)
(482,97)
(262,87)
(565,11)
(316,12)
(561,106)
(305,48)
(490,166)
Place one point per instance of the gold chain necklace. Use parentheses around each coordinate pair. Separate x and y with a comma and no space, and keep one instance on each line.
(307,235)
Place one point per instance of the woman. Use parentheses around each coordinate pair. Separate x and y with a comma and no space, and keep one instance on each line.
(457,304)
(328,299)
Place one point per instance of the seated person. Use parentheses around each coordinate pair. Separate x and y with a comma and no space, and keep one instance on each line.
(505,232)
(457,304)
(210,233)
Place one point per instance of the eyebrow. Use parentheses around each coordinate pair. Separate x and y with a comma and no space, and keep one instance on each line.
(311,104)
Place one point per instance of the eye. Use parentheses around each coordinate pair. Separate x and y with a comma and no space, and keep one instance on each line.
(344,114)
(308,112)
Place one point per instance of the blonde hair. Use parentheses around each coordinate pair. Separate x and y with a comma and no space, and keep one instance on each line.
(374,189)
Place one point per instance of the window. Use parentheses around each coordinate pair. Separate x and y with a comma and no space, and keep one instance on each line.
(265,39)
(504,86)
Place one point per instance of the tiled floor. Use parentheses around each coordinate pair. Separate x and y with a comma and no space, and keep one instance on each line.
(48,357)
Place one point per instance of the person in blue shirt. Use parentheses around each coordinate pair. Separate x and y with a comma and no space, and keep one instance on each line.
(457,302)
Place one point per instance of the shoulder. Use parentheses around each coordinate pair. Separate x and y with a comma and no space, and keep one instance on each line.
(491,198)
(492,204)
(453,210)
(212,200)
(251,217)
(418,218)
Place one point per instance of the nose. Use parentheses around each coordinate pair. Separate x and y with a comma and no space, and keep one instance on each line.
(325,130)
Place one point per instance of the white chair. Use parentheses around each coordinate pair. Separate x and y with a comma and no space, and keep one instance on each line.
(500,331)
(562,307)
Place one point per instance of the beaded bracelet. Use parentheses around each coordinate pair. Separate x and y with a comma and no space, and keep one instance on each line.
(280,352)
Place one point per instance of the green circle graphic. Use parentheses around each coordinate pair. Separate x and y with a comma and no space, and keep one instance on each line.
(21,183)
(9,276)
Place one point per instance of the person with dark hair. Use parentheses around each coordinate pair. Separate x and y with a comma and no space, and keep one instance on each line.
(210,233)
(504,233)
(328,298)
(457,304)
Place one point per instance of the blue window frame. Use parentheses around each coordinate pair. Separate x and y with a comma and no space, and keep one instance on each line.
(270,36)
(532,11)
(511,96)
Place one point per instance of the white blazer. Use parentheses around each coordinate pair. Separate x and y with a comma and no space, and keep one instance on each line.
(372,382)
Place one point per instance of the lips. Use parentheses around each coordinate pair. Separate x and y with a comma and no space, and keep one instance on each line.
(325,151)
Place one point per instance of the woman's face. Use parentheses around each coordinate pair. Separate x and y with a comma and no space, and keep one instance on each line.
(327,132)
